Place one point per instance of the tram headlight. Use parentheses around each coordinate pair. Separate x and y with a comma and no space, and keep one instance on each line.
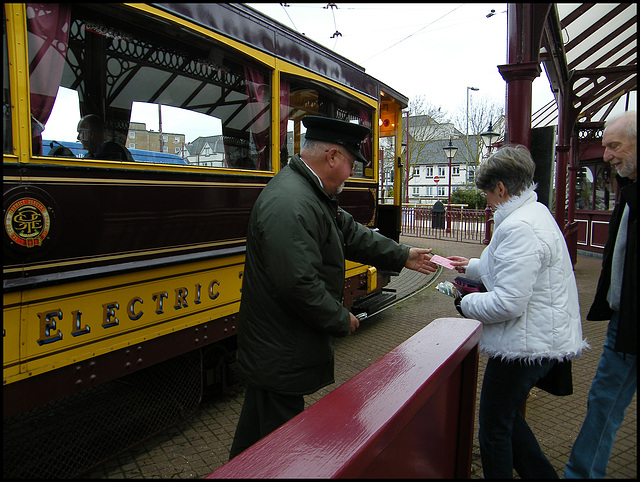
(386,125)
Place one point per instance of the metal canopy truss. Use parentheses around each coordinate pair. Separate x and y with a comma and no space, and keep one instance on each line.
(590,54)
(152,77)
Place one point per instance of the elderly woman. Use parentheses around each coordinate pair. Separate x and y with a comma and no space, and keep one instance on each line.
(530,312)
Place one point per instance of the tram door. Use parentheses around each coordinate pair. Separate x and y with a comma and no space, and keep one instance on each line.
(389,210)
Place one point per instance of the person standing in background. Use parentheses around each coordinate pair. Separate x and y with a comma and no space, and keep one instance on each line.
(615,381)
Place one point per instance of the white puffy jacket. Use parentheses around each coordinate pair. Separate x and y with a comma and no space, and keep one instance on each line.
(531,309)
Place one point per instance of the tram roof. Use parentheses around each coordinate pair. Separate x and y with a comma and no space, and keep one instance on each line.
(253,28)
(592,49)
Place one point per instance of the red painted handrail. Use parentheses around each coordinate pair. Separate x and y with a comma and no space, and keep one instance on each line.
(410,414)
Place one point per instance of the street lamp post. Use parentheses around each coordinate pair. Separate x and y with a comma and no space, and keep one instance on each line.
(475,89)
(488,138)
(449,151)
(466,181)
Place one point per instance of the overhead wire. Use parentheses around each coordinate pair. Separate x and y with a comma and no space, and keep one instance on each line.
(338,34)
(284,5)
(414,33)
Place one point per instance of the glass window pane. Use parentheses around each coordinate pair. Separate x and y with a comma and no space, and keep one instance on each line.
(584,188)
(605,188)
(301,97)
(189,101)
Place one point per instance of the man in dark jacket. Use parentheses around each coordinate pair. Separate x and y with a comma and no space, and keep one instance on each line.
(615,382)
(293,282)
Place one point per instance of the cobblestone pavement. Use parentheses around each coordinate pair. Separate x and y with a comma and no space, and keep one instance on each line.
(196,447)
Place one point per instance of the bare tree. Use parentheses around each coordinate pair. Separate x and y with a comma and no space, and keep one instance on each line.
(427,123)
(482,113)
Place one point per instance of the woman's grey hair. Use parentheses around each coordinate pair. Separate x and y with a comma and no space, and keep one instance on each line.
(512,165)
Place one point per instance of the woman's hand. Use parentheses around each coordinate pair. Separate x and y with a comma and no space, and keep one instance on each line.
(460,263)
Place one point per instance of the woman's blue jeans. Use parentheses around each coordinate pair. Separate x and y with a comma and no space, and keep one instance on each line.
(612,390)
(506,441)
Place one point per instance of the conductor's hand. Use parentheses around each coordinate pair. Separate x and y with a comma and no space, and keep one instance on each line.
(355,323)
(420,260)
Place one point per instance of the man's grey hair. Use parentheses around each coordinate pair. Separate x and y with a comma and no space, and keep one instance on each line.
(316,146)
(629,122)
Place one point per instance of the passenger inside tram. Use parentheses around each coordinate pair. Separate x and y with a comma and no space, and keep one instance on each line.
(91,135)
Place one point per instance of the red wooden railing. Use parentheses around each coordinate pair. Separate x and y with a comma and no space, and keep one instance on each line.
(410,414)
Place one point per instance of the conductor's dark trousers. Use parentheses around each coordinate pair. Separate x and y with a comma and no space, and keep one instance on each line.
(263,412)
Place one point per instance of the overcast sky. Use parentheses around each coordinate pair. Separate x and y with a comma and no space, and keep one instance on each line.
(434,50)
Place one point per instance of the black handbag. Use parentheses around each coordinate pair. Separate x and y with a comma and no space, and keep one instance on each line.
(559,380)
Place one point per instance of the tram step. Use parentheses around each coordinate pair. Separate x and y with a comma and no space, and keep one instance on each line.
(373,303)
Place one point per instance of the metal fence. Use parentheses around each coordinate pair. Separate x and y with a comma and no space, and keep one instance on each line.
(459,224)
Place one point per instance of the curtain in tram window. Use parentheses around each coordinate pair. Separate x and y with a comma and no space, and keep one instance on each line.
(48,36)
(284,121)
(365,147)
(258,104)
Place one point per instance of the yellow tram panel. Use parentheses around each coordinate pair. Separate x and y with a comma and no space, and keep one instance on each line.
(11,333)
(353,270)
(65,324)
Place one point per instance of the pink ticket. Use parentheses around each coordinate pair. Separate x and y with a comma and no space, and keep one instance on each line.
(442,261)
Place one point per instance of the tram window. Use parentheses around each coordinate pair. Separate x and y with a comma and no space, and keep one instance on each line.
(584,189)
(605,188)
(178,92)
(7,137)
(301,97)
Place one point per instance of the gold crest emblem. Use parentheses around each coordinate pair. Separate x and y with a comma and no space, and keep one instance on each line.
(27,222)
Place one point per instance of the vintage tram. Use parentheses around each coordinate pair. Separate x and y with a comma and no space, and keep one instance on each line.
(113,266)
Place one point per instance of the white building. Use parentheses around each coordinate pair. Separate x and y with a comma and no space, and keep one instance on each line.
(427,168)
(205,151)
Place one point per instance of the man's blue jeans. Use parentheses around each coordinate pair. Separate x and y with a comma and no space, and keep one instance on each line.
(611,392)
(506,441)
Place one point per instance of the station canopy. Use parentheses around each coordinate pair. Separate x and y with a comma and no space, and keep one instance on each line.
(589,52)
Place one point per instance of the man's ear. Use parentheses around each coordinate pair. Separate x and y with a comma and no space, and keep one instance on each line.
(332,157)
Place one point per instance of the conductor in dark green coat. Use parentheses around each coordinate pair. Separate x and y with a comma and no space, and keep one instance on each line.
(291,306)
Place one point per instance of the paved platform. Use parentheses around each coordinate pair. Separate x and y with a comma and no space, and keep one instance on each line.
(199,445)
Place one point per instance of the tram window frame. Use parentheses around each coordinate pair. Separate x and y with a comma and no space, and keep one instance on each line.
(7,129)
(160,63)
(323,100)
